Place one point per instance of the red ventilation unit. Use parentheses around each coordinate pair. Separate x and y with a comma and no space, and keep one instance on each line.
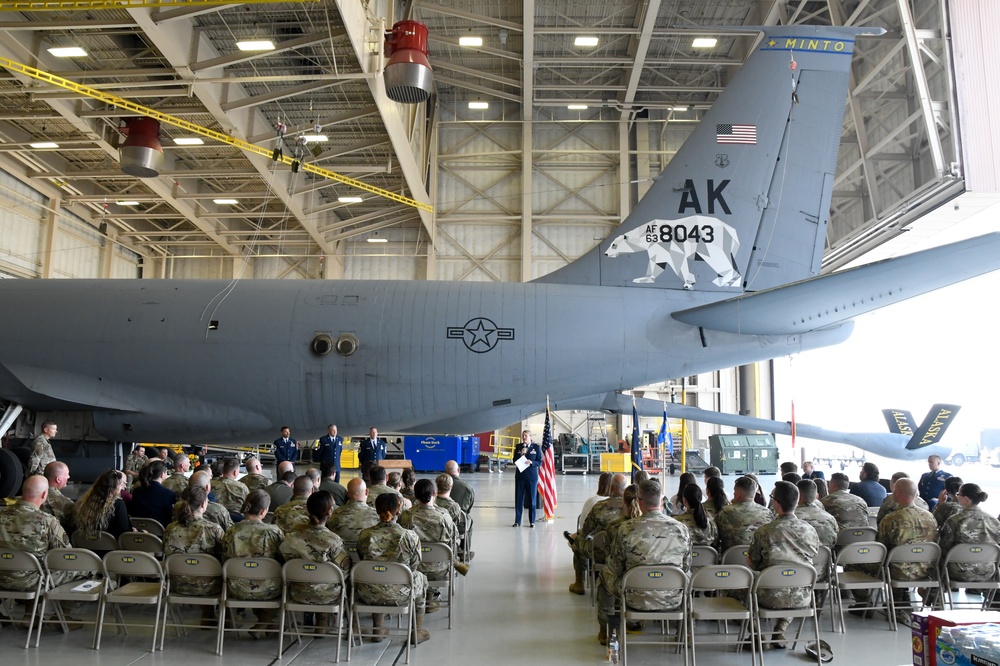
(141,154)
(408,75)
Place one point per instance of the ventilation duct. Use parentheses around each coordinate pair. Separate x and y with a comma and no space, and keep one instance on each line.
(141,154)
(408,75)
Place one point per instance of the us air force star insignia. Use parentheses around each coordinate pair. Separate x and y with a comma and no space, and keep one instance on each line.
(480,335)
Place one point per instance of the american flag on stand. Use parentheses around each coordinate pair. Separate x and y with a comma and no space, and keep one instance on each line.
(547,472)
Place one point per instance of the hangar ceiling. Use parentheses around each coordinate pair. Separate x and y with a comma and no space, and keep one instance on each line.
(644,86)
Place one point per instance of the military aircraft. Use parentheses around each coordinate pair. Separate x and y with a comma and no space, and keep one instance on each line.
(717,266)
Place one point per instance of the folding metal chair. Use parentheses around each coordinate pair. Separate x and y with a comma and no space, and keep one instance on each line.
(130,563)
(868,553)
(352,549)
(149,526)
(311,573)
(736,555)
(249,568)
(850,535)
(188,564)
(381,573)
(648,578)
(99,542)
(595,563)
(731,580)
(971,553)
(780,577)
(441,553)
(703,556)
(79,590)
(923,552)
(17,561)
(142,541)
(823,564)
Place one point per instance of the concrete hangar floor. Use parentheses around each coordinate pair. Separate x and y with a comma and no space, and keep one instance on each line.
(513,608)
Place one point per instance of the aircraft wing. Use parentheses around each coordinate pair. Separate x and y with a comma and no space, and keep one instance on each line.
(826,300)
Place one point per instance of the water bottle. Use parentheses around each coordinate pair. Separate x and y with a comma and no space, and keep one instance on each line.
(613,647)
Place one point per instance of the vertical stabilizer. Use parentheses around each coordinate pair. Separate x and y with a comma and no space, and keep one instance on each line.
(744,203)
(932,429)
(900,421)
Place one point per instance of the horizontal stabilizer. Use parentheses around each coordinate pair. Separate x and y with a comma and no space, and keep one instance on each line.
(830,299)
(899,421)
(932,429)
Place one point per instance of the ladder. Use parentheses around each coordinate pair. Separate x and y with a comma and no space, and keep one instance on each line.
(597,437)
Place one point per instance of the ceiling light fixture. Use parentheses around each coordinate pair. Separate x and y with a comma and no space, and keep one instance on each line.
(127,203)
(226,202)
(470,41)
(350,199)
(315,138)
(44,144)
(479,105)
(255,45)
(586,41)
(68,52)
(376,239)
(189,141)
(704,42)
(577,107)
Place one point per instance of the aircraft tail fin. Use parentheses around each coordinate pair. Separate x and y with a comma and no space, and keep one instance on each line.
(744,203)
(934,426)
(900,421)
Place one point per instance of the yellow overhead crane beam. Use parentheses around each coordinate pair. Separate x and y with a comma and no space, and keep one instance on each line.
(84,5)
(123,103)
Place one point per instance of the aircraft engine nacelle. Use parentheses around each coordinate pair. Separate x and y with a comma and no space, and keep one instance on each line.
(408,75)
(141,154)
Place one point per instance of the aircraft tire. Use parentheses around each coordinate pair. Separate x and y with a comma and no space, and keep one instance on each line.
(11,473)
(958,460)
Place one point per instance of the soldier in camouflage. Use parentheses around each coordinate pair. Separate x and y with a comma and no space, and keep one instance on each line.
(134,463)
(630,510)
(970,525)
(41,449)
(229,492)
(738,521)
(24,527)
(600,516)
(378,475)
(389,542)
(254,479)
(811,511)
(701,526)
(948,505)
(178,480)
(786,539)
(215,512)
(57,504)
(432,525)
(445,502)
(889,503)
(252,537)
(191,533)
(348,521)
(907,524)
(652,538)
(295,514)
(849,510)
(314,542)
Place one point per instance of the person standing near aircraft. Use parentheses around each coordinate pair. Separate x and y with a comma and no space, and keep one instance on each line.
(526,482)
(932,482)
(372,449)
(286,448)
(41,449)
(330,447)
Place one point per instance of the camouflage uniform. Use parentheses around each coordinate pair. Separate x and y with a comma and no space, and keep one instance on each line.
(849,510)
(601,515)
(60,506)
(132,466)
(459,517)
(738,521)
(889,504)
(652,538)
(200,536)
(176,482)
(215,513)
(389,542)
(41,455)
(251,538)
(824,523)
(973,525)
(709,536)
(709,506)
(25,528)
(908,524)
(255,482)
(292,515)
(431,525)
(945,510)
(348,521)
(378,489)
(785,539)
(230,493)
(317,544)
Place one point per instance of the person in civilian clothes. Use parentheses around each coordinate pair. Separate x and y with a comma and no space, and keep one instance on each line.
(151,499)
(526,482)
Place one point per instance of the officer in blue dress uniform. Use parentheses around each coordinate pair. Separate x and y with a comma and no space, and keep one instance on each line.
(330,447)
(371,449)
(285,448)
(526,482)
